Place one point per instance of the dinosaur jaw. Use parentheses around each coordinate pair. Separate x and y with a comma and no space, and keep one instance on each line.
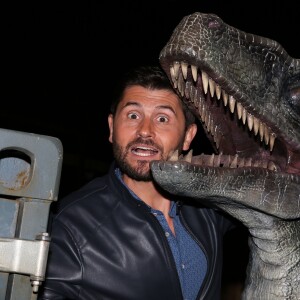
(210,102)
(234,189)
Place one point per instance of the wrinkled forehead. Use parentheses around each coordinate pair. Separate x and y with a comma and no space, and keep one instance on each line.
(150,98)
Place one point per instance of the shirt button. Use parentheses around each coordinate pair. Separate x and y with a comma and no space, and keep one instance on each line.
(183,266)
(167,234)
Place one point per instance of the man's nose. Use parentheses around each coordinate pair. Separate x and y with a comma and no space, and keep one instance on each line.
(146,129)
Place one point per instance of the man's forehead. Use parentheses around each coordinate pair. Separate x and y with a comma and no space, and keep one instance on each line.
(153,97)
(146,105)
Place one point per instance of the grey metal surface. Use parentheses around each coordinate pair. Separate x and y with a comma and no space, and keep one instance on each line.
(30,169)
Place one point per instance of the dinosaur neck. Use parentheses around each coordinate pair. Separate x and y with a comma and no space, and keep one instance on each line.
(274,259)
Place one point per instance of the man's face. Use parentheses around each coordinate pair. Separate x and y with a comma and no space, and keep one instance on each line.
(147,126)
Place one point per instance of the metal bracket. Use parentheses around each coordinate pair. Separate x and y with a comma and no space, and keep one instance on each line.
(26,257)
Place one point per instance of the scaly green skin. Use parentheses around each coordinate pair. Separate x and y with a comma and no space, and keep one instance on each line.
(265,81)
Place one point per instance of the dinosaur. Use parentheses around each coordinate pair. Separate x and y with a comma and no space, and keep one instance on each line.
(245,90)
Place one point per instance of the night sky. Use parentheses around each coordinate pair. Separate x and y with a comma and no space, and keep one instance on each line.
(61,59)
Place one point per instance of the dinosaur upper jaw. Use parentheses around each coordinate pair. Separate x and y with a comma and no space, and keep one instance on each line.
(243,138)
(238,85)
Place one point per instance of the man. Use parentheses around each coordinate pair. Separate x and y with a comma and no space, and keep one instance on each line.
(122,237)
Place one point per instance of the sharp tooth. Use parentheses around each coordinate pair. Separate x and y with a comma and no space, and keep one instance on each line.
(204,112)
(239,109)
(188,157)
(217,160)
(248,162)
(261,130)
(217,138)
(272,166)
(266,135)
(188,88)
(194,73)
(225,97)
(212,126)
(218,91)
(244,116)
(176,68)
(181,85)
(215,130)
(272,140)
(200,112)
(250,121)
(212,86)
(210,162)
(226,160)
(208,123)
(196,98)
(255,125)
(231,104)
(174,156)
(192,92)
(199,101)
(172,73)
(241,162)
(234,162)
(256,163)
(184,67)
(206,119)
(204,81)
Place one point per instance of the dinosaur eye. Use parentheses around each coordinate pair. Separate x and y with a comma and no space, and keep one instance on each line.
(294,98)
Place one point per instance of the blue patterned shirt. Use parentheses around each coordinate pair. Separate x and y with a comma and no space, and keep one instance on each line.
(190,260)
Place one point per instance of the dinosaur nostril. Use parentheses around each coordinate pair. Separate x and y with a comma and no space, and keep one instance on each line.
(213,24)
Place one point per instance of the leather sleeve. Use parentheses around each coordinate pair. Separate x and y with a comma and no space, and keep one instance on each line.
(64,268)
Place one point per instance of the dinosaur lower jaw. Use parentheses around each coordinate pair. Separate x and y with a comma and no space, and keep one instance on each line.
(226,161)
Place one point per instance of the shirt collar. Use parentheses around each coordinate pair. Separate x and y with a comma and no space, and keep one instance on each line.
(172,211)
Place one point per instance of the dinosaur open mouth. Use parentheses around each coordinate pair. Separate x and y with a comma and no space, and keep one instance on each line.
(198,94)
(240,138)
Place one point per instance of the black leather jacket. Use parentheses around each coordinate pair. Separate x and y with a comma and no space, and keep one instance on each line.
(107,245)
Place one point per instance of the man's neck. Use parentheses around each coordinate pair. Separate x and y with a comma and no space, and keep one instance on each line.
(147,192)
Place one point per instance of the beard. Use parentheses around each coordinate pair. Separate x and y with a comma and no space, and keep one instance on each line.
(141,172)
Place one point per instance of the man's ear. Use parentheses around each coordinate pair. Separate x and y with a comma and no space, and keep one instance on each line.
(189,136)
(111,126)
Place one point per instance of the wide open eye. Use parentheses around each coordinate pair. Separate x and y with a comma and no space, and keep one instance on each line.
(162,119)
(133,116)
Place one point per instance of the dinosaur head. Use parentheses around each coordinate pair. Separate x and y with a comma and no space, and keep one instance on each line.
(245,90)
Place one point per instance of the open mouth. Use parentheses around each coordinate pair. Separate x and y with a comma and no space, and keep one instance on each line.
(144,151)
(240,138)
(243,88)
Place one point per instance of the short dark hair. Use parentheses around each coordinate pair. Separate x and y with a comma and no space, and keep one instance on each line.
(147,76)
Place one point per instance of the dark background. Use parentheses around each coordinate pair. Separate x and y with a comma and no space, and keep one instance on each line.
(61,58)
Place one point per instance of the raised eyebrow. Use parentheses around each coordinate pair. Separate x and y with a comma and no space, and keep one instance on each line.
(166,107)
(131,103)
